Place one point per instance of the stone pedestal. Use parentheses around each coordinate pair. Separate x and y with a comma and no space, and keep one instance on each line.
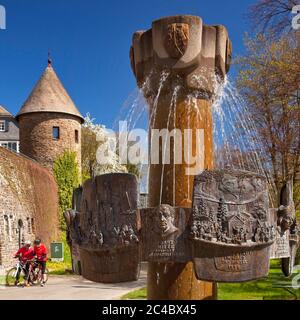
(177,64)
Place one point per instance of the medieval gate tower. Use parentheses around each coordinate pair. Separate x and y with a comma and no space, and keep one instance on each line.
(49,121)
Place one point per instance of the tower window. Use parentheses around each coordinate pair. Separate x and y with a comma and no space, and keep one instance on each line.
(2,125)
(55,133)
(76,136)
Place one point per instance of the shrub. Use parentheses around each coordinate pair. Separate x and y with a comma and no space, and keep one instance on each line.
(66,173)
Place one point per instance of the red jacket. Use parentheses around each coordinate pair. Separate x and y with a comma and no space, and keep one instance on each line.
(40,252)
(25,254)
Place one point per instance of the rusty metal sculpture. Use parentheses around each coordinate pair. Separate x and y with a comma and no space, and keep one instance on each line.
(227,233)
(108,229)
(165,234)
(287,239)
(74,238)
(231,229)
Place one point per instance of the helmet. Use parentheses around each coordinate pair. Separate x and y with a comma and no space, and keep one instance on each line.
(27,243)
(37,241)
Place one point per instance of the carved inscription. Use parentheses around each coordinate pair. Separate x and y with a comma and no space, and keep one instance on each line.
(281,246)
(165,248)
(235,263)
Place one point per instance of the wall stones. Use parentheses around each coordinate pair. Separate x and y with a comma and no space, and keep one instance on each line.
(36,136)
(28,202)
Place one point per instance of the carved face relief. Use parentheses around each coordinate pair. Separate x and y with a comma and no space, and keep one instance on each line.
(164,221)
(229,185)
(176,43)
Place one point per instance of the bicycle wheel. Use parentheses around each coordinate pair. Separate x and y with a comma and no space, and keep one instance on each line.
(39,277)
(31,276)
(46,275)
(11,277)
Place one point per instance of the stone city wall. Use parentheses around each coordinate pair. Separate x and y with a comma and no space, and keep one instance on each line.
(28,204)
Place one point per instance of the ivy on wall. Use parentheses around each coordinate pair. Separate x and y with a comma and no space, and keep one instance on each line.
(67,176)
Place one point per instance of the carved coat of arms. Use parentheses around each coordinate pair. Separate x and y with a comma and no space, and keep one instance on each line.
(176,43)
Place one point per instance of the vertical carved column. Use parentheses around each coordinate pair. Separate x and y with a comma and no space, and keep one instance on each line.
(176,64)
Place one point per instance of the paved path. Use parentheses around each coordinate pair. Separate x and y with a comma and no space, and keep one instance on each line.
(72,288)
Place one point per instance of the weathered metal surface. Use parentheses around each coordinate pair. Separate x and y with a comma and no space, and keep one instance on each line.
(110,266)
(286,239)
(231,229)
(74,235)
(281,246)
(108,239)
(165,234)
(76,199)
(227,234)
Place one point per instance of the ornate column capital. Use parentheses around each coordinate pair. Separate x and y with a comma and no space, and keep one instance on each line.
(184,47)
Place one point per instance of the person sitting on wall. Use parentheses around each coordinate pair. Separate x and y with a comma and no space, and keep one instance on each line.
(25,254)
(40,253)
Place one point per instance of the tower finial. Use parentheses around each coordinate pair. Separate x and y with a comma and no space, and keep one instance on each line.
(49,59)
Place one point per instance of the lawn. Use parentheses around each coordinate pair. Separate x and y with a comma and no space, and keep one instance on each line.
(264,289)
(2,280)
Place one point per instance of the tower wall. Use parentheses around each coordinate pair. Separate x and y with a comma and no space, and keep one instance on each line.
(36,136)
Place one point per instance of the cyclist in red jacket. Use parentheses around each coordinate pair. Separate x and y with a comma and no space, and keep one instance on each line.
(40,253)
(25,254)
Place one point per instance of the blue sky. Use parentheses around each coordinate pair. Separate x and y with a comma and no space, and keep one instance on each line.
(89,41)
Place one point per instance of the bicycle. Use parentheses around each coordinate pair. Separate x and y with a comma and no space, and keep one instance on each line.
(35,275)
(14,274)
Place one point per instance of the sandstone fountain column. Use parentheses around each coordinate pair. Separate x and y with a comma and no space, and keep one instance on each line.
(176,64)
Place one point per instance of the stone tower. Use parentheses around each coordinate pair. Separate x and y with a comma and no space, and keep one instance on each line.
(49,121)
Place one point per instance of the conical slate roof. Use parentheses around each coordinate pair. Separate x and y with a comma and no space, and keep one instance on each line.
(49,95)
(4,112)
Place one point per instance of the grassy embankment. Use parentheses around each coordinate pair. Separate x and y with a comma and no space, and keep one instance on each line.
(264,289)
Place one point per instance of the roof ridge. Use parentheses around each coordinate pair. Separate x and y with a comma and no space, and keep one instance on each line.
(49,95)
(4,111)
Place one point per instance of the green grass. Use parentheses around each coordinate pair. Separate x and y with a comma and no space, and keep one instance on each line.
(62,268)
(139,294)
(254,290)
(2,280)
(264,289)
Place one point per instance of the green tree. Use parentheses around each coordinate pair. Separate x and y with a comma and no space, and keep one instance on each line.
(269,80)
(66,173)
